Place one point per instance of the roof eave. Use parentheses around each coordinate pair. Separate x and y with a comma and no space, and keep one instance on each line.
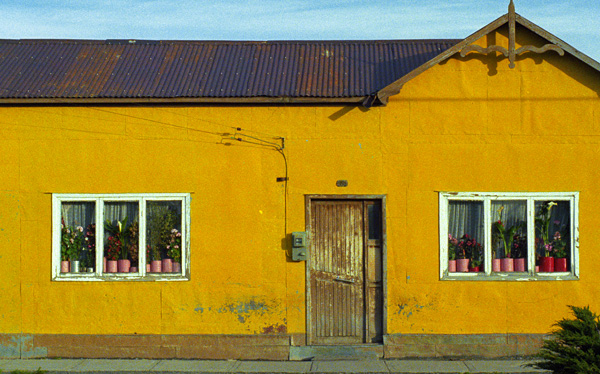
(186,100)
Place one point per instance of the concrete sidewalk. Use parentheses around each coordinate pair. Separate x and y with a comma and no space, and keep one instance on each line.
(96,366)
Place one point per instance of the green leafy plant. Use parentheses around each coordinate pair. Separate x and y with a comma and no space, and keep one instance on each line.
(174,246)
(574,347)
(505,235)
(121,238)
(542,226)
(452,247)
(161,223)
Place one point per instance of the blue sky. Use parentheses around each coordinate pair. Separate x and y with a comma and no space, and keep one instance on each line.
(577,22)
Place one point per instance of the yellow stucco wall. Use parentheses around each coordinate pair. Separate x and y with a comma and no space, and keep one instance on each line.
(469,124)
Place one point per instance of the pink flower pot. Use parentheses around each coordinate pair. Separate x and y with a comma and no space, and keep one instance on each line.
(155,266)
(104,266)
(496,265)
(507,265)
(123,266)
(547,264)
(176,267)
(560,264)
(462,265)
(64,267)
(167,265)
(148,268)
(111,266)
(519,264)
(451,266)
(133,269)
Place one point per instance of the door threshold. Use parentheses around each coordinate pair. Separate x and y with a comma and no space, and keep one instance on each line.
(336,352)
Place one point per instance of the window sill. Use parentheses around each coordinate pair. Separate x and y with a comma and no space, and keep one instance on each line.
(510,277)
(117,277)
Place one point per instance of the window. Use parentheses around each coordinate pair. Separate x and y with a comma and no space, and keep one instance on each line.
(120,237)
(509,236)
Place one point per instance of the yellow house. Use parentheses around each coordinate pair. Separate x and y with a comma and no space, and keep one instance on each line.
(288,200)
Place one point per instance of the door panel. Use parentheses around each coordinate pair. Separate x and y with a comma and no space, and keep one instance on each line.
(341,297)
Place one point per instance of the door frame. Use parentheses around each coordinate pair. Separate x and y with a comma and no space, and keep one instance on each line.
(308,208)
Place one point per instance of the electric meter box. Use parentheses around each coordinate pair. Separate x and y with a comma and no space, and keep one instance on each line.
(299,246)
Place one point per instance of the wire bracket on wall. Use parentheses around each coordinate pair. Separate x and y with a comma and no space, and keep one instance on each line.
(511,52)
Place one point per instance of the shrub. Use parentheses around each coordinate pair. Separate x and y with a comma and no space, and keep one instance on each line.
(574,347)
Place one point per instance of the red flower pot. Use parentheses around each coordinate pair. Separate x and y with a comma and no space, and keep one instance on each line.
(155,266)
(167,265)
(111,266)
(123,266)
(451,266)
(547,264)
(462,265)
(507,265)
(475,269)
(560,264)
(496,265)
(519,264)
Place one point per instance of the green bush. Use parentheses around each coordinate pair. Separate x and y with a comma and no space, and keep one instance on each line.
(574,347)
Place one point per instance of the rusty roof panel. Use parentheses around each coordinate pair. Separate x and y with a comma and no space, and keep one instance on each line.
(66,69)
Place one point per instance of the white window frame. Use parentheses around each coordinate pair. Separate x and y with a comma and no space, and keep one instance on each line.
(487,198)
(99,200)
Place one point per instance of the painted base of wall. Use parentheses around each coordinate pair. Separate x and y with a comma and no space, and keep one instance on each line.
(260,347)
(462,346)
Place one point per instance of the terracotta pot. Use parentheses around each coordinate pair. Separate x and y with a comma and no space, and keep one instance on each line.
(547,264)
(104,266)
(111,266)
(560,264)
(462,265)
(507,265)
(520,264)
(155,266)
(64,267)
(475,269)
(167,265)
(148,268)
(133,269)
(451,266)
(123,266)
(496,265)
(177,267)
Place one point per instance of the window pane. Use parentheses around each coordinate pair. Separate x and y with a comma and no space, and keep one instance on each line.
(374,212)
(163,236)
(509,235)
(553,235)
(121,237)
(465,234)
(78,236)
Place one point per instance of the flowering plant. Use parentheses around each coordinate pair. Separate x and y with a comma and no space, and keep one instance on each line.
(467,247)
(542,226)
(559,246)
(119,245)
(71,238)
(452,247)
(89,242)
(174,246)
(113,248)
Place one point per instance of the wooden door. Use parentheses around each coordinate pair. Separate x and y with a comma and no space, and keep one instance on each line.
(345,273)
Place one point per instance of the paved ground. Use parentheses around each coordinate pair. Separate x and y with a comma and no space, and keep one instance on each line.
(78,366)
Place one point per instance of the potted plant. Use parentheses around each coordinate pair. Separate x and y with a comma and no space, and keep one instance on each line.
(560,252)
(133,250)
(90,247)
(117,246)
(543,243)
(476,258)
(519,251)
(174,250)
(452,250)
(71,242)
(160,225)
(465,247)
(505,236)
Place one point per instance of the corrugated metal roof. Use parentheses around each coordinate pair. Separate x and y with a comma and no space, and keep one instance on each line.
(121,69)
